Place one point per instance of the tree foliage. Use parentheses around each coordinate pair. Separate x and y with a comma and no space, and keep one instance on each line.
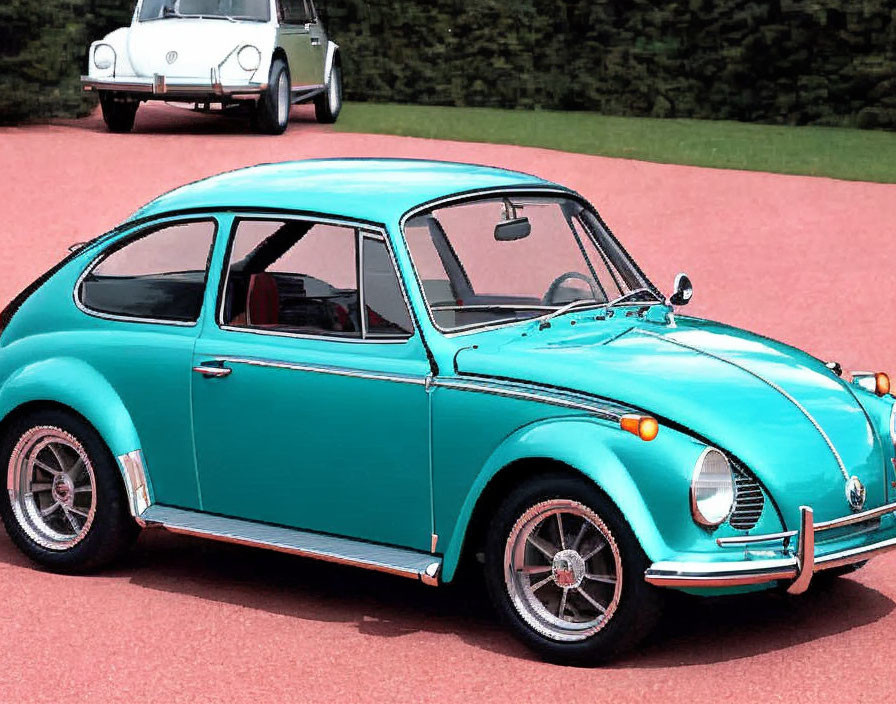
(785,61)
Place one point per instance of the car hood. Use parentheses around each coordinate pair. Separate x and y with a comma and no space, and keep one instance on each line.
(199,44)
(778,410)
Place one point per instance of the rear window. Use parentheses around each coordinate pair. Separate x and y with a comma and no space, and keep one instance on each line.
(159,275)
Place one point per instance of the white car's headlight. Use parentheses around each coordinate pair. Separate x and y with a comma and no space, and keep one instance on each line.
(249,58)
(103,57)
(712,489)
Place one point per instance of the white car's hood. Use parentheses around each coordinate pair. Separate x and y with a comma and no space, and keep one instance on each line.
(195,45)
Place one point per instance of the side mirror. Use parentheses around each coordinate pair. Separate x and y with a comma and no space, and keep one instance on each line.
(683,291)
(510,230)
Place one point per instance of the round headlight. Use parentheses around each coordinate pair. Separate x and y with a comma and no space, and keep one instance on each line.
(249,58)
(893,425)
(103,56)
(712,489)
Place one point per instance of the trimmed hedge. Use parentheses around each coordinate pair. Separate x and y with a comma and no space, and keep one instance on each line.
(786,61)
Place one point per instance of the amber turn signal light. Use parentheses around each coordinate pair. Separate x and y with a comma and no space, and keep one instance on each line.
(644,427)
(881,384)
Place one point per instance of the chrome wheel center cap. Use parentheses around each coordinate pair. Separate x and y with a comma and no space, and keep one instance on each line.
(568,569)
(63,489)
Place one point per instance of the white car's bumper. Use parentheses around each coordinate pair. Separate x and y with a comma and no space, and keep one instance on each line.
(163,88)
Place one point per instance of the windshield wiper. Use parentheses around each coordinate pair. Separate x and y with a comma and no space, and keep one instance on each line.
(579,303)
(626,296)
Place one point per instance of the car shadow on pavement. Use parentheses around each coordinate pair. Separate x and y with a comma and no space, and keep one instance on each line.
(693,631)
(165,119)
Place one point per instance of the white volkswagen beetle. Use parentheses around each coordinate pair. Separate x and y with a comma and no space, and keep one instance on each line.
(264,54)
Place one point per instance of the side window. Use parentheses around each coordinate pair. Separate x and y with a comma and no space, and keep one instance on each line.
(294,12)
(384,304)
(158,275)
(293,276)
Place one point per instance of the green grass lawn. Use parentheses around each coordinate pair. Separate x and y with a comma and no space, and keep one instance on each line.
(859,155)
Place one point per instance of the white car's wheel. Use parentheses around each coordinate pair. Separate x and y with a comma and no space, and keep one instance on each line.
(329,103)
(118,113)
(271,113)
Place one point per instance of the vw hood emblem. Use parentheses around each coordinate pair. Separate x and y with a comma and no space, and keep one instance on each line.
(171,57)
(855,494)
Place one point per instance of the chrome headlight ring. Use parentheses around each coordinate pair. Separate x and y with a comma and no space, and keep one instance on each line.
(712,489)
(249,58)
(893,425)
(104,57)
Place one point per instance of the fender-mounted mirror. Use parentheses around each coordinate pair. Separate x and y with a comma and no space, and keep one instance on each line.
(683,291)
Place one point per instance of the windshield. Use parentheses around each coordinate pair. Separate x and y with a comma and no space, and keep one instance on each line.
(501,259)
(256,10)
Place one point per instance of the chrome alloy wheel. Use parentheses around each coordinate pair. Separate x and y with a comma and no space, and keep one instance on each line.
(335,91)
(52,487)
(283,103)
(563,570)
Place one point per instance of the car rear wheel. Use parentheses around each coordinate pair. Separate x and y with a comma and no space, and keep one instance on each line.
(65,505)
(328,104)
(118,113)
(566,573)
(271,113)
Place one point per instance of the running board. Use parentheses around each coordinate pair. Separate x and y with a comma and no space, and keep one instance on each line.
(382,558)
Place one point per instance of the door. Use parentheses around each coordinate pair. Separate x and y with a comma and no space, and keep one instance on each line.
(299,36)
(309,399)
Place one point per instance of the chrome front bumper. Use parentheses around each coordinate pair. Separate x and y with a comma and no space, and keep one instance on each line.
(161,87)
(765,562)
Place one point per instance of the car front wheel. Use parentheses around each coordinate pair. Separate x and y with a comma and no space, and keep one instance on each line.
(119,114)
(271,113)
(65,505)
(566,573)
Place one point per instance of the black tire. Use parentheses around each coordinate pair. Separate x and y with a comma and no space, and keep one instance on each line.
(638,606)
(328,104)
(268,117)
(119,114)
(112,530)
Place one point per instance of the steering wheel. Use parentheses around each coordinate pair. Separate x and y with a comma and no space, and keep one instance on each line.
(548,298)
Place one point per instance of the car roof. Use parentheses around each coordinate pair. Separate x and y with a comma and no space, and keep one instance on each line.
(376,190)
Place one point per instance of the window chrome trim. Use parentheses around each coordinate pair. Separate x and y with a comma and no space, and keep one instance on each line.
(132,235)
(323,369)
(534,190)
(605,410)
(362,229)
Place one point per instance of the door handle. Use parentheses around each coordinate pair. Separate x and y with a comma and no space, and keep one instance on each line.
(211,372)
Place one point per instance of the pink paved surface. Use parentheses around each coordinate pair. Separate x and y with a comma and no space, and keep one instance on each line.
(805,260)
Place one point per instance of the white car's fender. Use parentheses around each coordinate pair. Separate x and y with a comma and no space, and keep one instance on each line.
(118,40)
(332,48)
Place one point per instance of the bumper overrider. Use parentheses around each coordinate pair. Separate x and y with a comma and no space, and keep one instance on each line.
(158,86)
(773,557)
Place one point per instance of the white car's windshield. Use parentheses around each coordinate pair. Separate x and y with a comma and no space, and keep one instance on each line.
(255,10)
(501,259)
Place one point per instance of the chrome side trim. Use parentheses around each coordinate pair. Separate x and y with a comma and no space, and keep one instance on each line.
(607,411)
(321,369)
(136,484)
(345,551)
(768,382)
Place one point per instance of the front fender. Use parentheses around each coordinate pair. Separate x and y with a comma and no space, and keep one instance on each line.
(79,386)
(648,481)
(118,40)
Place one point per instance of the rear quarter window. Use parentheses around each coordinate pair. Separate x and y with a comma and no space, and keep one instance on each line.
(157,275)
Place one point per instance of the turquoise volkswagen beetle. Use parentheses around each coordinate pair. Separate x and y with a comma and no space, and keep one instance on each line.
(398,364)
